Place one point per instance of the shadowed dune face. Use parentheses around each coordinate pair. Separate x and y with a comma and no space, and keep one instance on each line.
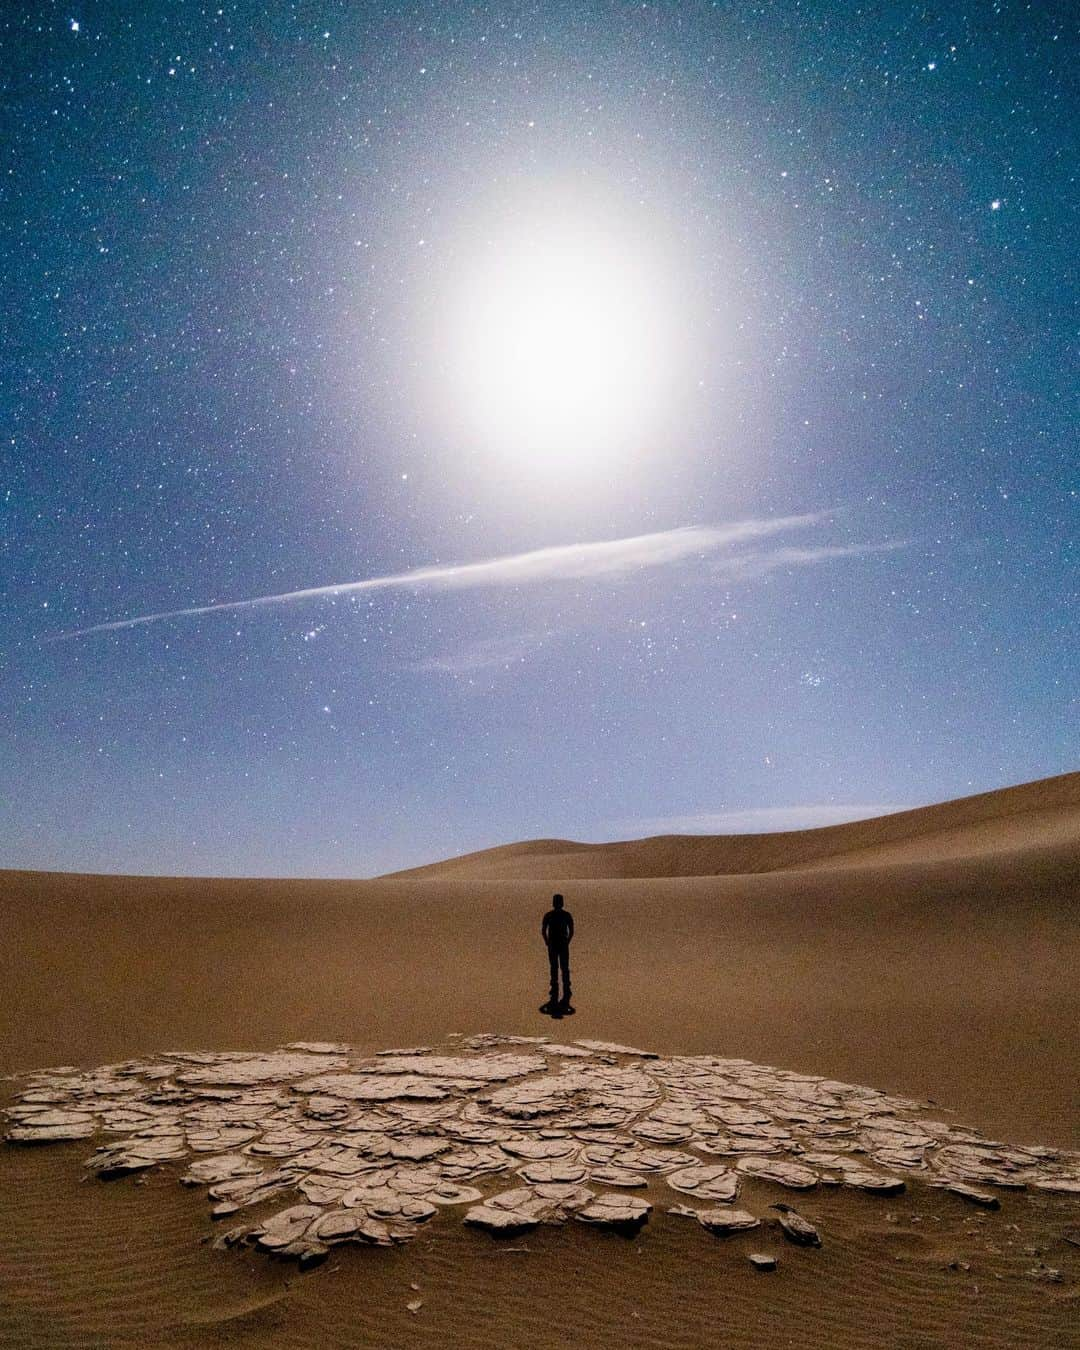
(1033,815)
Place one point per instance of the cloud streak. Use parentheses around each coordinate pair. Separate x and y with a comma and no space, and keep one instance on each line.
(609,559)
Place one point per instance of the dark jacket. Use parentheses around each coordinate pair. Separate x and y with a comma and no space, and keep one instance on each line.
(557,928)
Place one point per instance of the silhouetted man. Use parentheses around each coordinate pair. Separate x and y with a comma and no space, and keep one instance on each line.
(557,930)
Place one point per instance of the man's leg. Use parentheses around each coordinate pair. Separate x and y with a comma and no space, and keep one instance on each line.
(564,962)
(553,961)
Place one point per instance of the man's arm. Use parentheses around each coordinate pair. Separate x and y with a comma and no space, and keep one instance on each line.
(544,928)
(569,927)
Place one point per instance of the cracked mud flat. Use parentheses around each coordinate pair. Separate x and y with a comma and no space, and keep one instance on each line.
(312,1146)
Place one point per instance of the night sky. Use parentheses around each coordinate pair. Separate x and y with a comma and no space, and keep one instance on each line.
(749,323)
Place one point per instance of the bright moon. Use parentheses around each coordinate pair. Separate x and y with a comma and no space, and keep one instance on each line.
(562,345)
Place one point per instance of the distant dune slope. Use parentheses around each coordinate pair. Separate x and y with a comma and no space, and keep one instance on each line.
(1043,814)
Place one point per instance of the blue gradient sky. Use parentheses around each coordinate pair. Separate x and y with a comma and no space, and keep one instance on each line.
(229,238)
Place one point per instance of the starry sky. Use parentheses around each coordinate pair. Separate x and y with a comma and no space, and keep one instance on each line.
(781,532)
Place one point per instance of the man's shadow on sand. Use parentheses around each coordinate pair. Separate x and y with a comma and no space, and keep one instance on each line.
(557,1011)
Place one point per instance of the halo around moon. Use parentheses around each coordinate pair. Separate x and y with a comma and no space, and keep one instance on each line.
(562,343)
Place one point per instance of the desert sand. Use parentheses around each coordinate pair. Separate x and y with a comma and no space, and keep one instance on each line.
(933,954)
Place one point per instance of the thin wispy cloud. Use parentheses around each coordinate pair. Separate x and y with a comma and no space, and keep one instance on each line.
(612,559)
(482,654)
(747,566)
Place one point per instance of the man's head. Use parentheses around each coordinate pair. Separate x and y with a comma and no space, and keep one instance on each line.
(557,901)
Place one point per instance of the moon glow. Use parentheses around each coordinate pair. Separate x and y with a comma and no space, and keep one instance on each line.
(562,346)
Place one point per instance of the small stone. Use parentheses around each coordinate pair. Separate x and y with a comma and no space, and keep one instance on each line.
(230,1238)
(760,1261)
(797,1229)
(414,1305)
(311,1254)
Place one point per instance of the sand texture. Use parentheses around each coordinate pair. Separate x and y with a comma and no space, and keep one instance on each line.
(931,968)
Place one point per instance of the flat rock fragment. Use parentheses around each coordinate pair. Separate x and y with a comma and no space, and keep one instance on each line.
(984,1199)
(48,1134)
(622,1212)
(287,1226)
(391,1207)
(639,1159)
(875,1183)
(614,1048)
(356,1087)
(537,1150)
(617,1176)
(559,1170)
(730,1145)
(417,1147)
(662,1132)
(1064,1185)
(273,1068)
(481,1068)
(722,1220)
(208,1171)
(504,1222)
(710,1183)
(762,1261)
(337,1225)
(796,1228)
(376,1233)
(485,1040)
(782,1173)
(133,1156)
(46,1117)
(446,1193)
(551,1204)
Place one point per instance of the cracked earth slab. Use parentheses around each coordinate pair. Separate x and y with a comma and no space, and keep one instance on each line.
(314,1145)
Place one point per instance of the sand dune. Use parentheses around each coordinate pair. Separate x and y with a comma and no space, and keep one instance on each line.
(1032,815)
(934,954)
